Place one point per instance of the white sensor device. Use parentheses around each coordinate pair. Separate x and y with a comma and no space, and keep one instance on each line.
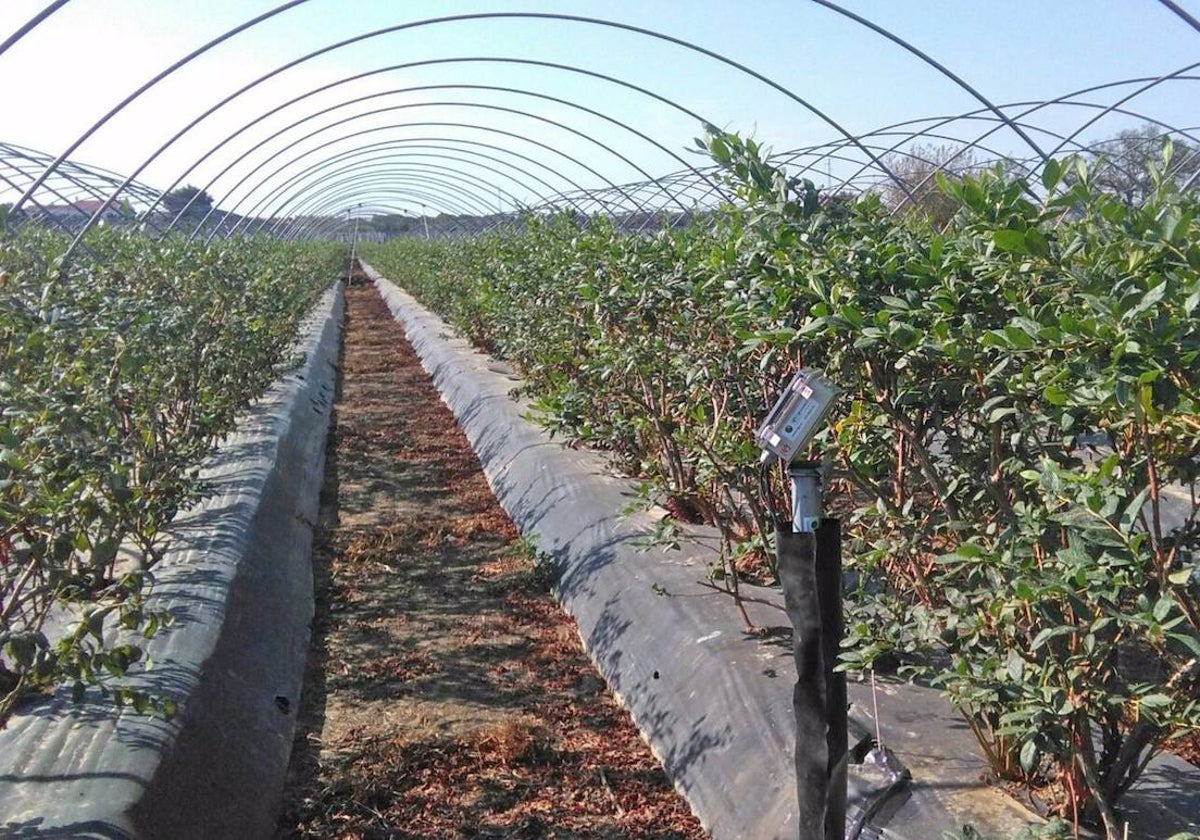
(796,416)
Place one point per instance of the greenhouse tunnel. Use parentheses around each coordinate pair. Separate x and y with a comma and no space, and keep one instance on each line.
(449,122)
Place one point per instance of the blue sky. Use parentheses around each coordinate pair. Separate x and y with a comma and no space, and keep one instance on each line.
(91,53)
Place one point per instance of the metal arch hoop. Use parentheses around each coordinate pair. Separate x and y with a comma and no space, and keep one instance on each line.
(1116,105)
(30,24)
(120,106)
(432,62)
(1033,107)
(393,154)
(327,203)
(452,199)
(70,180)
(1014,123)
(255,208)
(1178,10)
(519,112)
(353,172)
(895,39)
(380,94)
(352,194)
(431,199)
(300,227)
(473,126)
(449,200)
(427,22)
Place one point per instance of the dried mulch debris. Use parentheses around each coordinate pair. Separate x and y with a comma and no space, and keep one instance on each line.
(447,694)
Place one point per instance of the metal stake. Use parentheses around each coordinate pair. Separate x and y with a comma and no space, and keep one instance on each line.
(806,496)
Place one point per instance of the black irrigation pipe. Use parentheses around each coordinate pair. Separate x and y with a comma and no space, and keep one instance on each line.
(432,62)
(254,210)
(472,126)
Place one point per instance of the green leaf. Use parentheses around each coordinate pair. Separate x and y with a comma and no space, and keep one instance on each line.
(1018,338)
(1180,577)
(1051,633)
(1187,640)
(1015,666)
(1036,243)
(1154,701)
(1129,515)
(1051,175)
(851,315)
(1163,607)
(1029,755)
(1056,395)
(1012,241)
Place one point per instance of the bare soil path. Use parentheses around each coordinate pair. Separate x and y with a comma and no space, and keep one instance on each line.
(447,694)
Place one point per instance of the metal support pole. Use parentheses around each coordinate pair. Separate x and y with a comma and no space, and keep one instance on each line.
(806,495)
(810,569)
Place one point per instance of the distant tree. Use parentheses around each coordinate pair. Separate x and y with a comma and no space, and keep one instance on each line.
(178,198)
(1122,164)
(389,224)
(915,170)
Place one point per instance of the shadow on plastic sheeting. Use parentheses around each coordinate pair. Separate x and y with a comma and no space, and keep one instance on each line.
(579,568)
(603,642)
(663,727)
(1165,800)
(88,830)
(529,509)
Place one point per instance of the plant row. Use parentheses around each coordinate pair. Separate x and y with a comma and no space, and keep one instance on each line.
(119,372)
(1014,454)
